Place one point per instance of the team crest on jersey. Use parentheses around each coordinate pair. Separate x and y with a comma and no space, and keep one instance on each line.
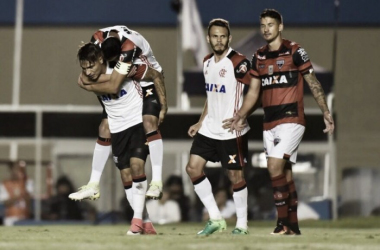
(280,63)
(242,68)
(121,58)
(232,159)
(222,72)
(115,159)
(270,70)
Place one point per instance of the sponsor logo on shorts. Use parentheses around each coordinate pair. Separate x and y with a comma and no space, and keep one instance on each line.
(115,159)
(232,159)
(149,92)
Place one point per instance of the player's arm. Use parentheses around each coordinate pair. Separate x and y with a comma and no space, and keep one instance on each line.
(159,83)
(194,128)
(319,96)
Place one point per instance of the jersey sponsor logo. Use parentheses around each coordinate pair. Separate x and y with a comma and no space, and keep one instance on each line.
(280,63)
(109,97)
(211,87)
(279,79)
(232,159)
(222,73)
(303,54)
(242,68)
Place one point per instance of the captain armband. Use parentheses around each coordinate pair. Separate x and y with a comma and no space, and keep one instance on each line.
(122,67)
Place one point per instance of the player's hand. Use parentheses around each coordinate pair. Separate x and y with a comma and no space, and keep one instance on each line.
(193,130)
(164,110)
(80,82)
(235,123)
(329,122)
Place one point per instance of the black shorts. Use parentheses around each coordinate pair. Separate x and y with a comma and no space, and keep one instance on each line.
(151,102)
(231,153)
(127,144)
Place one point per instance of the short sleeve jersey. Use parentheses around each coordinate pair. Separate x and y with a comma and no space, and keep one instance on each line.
(134,47)
(124,109)
(281,74)
(225,81)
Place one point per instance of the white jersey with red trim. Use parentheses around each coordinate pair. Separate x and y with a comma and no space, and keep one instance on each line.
(225,82)
(124,109)
(144,51)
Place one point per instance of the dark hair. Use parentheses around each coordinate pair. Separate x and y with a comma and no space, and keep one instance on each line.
(65,181)
(111,48)
(219,22)
(272,13)
(89,52)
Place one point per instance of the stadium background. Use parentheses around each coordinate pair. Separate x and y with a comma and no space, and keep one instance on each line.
(53,30)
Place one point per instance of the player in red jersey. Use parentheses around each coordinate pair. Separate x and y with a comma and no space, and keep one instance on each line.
(278,72)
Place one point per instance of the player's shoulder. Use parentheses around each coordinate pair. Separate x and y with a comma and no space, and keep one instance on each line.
(291,44)
(208,57)
(237,58)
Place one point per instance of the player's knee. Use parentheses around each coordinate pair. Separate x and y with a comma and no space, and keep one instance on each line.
(150,124)
(192,171)
(126,175)
(104,130)
(235,176)
(137,169)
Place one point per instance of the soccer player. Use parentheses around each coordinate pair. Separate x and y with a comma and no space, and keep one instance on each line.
(226,74)
(127,132)
(126,46)
(279,70)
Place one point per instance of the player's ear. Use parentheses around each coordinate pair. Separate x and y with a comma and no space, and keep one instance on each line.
(281,27)
(229,39)
(101,60)
(208,38)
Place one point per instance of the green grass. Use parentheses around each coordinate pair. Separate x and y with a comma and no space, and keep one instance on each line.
(344,234)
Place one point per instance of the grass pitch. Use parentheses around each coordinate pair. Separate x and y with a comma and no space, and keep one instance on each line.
(343,234)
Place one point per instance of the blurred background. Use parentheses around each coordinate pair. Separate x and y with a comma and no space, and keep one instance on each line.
(48,125)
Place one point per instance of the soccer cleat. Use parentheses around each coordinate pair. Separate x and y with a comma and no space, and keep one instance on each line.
(284,230)
(240,231)
(213,226)
(148,228)
(136,227)
(89,191)
(155,190)
(278,229)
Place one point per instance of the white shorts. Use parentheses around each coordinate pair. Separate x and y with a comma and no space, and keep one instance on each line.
(283,140)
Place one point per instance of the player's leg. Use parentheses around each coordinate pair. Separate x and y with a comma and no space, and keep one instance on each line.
(151,111)
(293,199)
(281,145)
(100,157)
(202,149)
(233,154)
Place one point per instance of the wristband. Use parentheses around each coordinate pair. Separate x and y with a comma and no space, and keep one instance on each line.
(122,68)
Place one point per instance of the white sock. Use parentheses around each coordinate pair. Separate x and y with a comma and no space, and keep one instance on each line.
(241,204)
(204,192)
(99,159)
(129,194)
(139,190)
(156,151)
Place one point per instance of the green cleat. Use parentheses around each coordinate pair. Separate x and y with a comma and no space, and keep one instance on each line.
(213,226)
(240,231)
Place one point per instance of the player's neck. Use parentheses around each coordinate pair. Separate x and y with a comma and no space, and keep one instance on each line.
(275,44)
(221,56)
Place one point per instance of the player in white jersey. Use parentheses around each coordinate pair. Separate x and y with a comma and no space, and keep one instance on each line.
(226,73)
(127,132)
(125,46)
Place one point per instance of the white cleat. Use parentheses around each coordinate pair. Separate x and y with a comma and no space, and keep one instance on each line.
(155,190)
(89,191)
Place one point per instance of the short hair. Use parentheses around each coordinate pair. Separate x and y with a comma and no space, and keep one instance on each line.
(272,13)
(111,48)
(89,52)
(219,22)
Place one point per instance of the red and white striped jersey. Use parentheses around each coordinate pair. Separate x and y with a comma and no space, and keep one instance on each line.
(134,47)
(225,81)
